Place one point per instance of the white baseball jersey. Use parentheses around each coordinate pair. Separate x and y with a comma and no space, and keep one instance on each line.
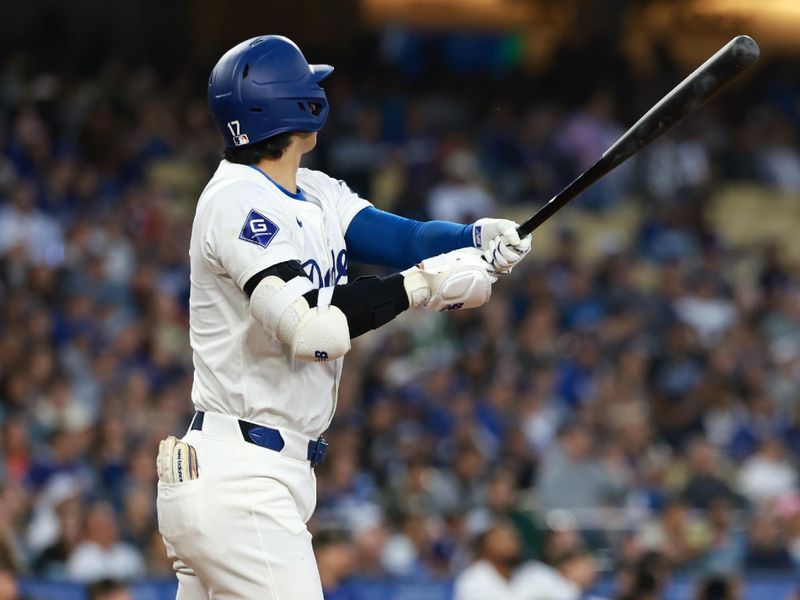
(245,223)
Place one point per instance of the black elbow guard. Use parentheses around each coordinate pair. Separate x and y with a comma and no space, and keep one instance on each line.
(368,302)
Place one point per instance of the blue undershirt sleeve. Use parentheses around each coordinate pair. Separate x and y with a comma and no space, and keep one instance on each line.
(381,238)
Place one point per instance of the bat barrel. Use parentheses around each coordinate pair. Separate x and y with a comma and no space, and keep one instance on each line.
(744,49)
(708,79)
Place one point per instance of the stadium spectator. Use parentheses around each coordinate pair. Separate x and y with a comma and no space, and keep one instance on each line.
(768,474)
(571,574)
(677,536)
(9,590)
(27,229)
(14,503)
(460,197)
(766,549)
(336,561)
(369,544)
(55,530)
(726,550)
(100,554)
(705,482)
(502,503)
(497,553)
(572,478)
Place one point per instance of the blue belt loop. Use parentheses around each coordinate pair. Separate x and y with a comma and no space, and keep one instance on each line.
(317,449)
(197,421)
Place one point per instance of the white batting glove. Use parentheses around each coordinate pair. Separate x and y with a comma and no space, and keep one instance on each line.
(454,280)
(505,248)
(176,461)
(504,253)
(485,230)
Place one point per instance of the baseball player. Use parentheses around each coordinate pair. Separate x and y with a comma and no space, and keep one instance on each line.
(272,314)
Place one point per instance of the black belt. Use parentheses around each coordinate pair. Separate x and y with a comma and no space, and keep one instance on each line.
(270,438)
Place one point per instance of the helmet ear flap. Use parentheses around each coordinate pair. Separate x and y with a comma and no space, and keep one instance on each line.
(311,107)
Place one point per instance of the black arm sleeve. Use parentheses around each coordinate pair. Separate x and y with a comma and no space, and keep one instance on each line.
(367,302)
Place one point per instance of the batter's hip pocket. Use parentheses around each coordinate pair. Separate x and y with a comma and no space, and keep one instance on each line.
(179,507)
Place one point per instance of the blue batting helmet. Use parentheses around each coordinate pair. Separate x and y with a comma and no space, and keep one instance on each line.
(264,86)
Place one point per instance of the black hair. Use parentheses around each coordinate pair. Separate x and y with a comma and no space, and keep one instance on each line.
(104,587)
(716,587)
(330,537)
(271,148)
(648,577)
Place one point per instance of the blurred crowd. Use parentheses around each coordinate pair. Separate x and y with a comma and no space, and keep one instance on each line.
(634,414)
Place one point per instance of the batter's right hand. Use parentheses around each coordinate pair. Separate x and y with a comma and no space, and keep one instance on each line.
(506,250)
(500,242)
(450,281)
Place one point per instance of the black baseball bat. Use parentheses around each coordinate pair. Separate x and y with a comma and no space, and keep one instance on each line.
(691,93)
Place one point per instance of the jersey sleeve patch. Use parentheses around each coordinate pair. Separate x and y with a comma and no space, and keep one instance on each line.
(258,229)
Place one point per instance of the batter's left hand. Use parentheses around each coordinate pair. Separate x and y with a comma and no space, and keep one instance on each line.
(502,246)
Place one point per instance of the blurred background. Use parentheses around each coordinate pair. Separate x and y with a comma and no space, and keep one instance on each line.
(622,421)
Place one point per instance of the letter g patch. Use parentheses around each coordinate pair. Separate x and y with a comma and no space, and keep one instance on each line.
(258,229)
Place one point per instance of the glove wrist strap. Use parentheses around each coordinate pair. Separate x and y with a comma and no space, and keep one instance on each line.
(416,287)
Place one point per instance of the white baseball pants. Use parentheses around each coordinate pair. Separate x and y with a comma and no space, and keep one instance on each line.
(238,531)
